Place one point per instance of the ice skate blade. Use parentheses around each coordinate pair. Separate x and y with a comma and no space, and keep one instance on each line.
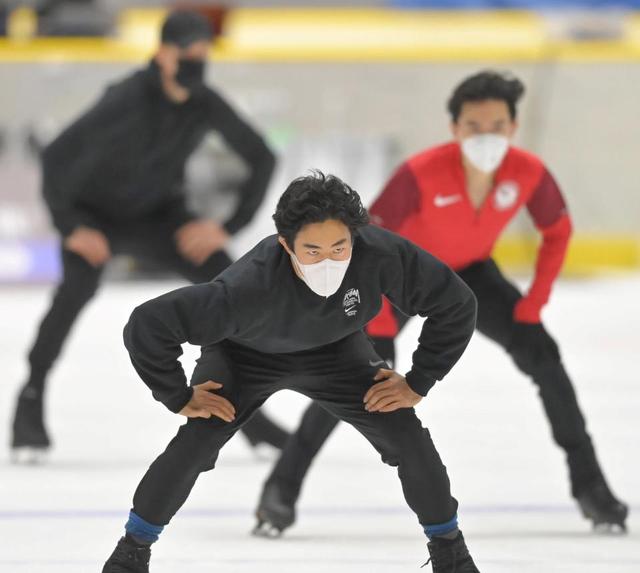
(29,456)
(613,529)
(266,530)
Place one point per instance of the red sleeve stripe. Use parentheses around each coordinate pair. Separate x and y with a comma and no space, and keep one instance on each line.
(398,201)
(546,205)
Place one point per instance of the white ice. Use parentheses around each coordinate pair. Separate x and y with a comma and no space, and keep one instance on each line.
(485,418)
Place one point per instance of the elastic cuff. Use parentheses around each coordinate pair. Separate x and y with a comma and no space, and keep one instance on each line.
(440,529)
(419,384)
(66,225)
(142,530)
(177,403)
(65,229)
(183,220)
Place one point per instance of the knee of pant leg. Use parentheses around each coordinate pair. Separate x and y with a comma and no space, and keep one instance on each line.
(76,269)
(198,459)
(198,443)
(78,290)
(533,349)
(87,287)
(408,446)
(209,462)
(418,461)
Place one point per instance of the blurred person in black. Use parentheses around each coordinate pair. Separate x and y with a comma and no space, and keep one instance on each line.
(113,182)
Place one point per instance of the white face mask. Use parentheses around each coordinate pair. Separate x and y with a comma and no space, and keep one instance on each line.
(323,278)
(485,152)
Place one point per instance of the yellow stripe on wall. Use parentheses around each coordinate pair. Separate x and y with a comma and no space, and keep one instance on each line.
(60,50)
(294,35)
(381,34)
(588,254)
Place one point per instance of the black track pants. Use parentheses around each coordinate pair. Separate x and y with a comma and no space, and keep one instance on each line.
(536,354)
(337,377)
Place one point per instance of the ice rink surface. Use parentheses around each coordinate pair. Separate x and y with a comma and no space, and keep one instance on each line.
(485,418)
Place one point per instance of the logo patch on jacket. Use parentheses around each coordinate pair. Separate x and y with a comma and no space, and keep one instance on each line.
(351,301)
(506,195)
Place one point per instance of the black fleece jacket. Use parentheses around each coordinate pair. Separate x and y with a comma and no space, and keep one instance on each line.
(260,302)
(125,157)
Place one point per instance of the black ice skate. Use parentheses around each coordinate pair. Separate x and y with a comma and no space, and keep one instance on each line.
(607,513)
(29,442)
(450,556)
(274,513)
(127,558)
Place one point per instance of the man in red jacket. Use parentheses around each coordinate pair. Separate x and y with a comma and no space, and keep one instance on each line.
(454,200)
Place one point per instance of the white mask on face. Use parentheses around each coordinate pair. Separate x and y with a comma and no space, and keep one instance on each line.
(485,152)
(323,278)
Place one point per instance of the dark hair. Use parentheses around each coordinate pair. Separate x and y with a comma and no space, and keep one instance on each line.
(316,198)
(483,86)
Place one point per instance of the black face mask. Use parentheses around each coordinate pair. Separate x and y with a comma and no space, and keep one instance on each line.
(190,73)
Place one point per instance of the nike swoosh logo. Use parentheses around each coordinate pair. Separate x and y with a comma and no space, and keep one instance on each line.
(446,200)
(373,363)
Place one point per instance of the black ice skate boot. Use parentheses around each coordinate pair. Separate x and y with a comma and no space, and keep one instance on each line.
(607,513)
(450,556)
(128,558)
(276,511)
(30,440)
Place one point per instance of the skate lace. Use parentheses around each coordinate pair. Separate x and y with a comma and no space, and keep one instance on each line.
(429,561)
(137,555)
(437,561)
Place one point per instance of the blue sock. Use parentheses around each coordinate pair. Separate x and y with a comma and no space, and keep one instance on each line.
(142,531)
(448,530)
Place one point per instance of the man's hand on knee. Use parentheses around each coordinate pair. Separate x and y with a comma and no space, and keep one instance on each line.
(205,404)
(390,393)
(198,240)
(92,245)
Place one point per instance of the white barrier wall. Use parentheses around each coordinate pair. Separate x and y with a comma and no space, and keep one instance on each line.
(358,120)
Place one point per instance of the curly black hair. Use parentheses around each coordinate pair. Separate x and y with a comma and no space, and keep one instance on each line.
(316,198)
(483,86)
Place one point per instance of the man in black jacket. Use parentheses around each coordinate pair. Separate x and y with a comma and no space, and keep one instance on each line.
(290,314)
(113,184)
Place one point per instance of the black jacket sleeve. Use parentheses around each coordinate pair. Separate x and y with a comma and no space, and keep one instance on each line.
(200,315)
(246,142)
(424,285)
(68,161)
